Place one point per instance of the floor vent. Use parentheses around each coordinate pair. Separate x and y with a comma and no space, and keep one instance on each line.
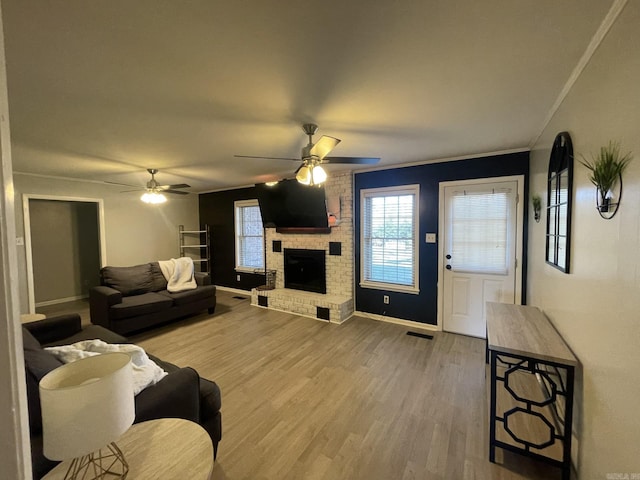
(238,297)
(421,335)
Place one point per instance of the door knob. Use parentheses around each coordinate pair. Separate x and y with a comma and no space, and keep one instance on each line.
(448,257)
(448,267)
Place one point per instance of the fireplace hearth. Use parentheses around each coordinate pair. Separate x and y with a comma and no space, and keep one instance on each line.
(305,270)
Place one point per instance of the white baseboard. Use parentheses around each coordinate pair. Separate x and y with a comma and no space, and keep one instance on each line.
(398,321)
(61,300)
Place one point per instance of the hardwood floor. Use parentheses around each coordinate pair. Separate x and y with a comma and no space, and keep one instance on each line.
(304,399)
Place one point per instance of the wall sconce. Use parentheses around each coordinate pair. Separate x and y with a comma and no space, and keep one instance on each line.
(536,201)
(606,174)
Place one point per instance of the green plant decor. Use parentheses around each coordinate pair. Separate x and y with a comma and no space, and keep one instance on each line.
(607,167)
(536,201)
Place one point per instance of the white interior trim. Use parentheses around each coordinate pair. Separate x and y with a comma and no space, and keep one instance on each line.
(61,300)
(519,179)
(15,454)
(616,7)
(27,235)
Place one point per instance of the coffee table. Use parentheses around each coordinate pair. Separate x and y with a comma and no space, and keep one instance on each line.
(168,448)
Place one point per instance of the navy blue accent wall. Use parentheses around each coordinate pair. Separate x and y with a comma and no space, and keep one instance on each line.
(217,210)
(423,307)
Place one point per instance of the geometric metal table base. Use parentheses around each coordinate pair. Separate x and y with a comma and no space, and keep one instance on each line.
(551,410)
(108,462)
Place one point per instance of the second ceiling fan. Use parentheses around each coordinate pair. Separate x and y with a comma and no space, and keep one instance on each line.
(310,172)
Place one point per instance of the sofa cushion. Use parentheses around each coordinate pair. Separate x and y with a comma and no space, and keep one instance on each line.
(90,332)
(37,363)
(134,280)
(158,282)
(189,296)
(138,305)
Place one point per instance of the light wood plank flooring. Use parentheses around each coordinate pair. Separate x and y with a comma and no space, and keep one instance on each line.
(307,400)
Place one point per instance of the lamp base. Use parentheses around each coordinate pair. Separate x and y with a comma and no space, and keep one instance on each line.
(109,462)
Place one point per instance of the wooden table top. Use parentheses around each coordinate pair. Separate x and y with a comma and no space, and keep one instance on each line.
(168,448)
(526,331)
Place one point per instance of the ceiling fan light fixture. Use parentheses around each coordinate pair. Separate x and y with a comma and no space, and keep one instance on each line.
(153,198)
(318,175)
(304,175)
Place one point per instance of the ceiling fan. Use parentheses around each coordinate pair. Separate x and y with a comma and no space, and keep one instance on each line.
(154,193)
(310,172)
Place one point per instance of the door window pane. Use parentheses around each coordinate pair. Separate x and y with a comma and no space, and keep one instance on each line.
(479,228)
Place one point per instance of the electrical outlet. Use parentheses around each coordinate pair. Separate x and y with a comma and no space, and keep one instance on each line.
(385,299)
(237,278)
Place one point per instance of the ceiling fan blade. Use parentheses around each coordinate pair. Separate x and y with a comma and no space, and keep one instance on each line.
(323,146)
(352,160)
(267,158)
(123,184)
(178,185)
(176,192)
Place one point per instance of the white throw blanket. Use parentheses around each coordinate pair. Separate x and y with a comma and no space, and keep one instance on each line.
(179,274)
(146,372)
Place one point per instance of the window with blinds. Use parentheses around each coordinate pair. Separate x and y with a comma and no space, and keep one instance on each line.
(389,238)
(479,230)
(249,236)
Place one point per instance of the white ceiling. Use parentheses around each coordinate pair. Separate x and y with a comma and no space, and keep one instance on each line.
(104,89)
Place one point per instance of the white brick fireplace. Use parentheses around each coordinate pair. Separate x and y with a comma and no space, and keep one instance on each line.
(338,301)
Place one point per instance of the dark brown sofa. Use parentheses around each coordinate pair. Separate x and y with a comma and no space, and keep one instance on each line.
(134,298)
(180,394)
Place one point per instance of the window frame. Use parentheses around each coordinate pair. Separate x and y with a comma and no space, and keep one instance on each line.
(560,168)
(412,189)
(238,205)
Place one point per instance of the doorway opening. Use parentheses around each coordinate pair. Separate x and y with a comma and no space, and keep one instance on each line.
(64,245)
(480,253)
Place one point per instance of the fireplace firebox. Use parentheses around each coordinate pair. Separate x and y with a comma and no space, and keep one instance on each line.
(305,270)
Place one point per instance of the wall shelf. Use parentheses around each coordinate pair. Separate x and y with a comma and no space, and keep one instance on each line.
(196,244)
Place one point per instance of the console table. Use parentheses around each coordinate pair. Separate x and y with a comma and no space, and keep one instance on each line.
(532,381)
(169,448)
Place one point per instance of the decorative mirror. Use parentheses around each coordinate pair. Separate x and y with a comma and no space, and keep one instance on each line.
(559,193)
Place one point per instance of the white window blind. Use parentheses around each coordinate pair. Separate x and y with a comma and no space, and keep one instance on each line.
(249,236)
(479,228)
(389,243)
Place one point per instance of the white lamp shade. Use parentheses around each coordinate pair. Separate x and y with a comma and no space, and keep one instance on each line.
(86,405)
(304,175)
(319,175)
(153,197)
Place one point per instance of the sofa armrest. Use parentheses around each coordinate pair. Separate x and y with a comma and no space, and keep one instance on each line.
(175,396)
(100,299)
(202,278)
(56,328)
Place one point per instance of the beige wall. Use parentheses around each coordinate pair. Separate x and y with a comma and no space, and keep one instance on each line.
(65,241)
(134,232)
(597,307)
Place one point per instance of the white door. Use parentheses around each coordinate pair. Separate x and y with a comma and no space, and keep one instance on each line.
(479,252)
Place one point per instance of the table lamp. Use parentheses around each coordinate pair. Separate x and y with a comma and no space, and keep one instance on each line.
(86,406)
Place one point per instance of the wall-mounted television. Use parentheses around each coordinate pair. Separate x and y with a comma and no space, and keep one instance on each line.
(290,204)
